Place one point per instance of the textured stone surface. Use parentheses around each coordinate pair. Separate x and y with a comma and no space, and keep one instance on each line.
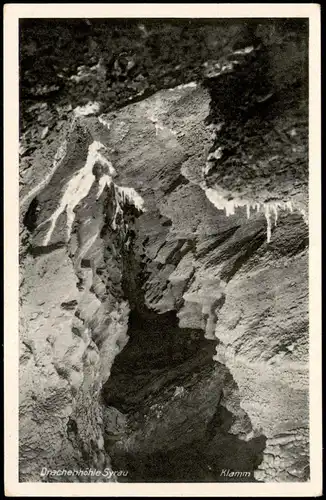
(207,250)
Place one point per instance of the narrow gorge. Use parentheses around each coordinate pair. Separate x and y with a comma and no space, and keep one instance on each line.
(164,254)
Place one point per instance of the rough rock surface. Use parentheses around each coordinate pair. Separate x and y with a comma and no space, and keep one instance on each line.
(164,280)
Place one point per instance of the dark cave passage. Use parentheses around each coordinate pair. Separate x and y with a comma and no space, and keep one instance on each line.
(158,354)
(224,459)
(159,357)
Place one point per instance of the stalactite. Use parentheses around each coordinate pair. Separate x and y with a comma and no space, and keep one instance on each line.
(221,203)
(269,225)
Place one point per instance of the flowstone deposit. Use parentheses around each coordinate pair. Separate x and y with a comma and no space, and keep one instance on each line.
(164,278)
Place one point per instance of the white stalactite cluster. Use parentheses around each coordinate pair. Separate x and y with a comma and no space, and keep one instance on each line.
(270,209)
(125,195)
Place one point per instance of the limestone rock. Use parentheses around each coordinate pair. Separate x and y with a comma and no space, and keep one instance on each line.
(165,245)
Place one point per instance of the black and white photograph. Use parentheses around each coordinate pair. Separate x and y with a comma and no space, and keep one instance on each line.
(164,321)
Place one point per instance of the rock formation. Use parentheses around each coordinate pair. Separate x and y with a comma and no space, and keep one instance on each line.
(164,277)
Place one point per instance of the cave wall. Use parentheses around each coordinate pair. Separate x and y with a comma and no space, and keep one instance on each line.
(199,210)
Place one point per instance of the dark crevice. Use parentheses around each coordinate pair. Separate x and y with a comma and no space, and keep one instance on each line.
(30,217)
(235,263)
(72,430)
(221,420)
(217,241)
(70,305)
(178,182)
(36,251)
